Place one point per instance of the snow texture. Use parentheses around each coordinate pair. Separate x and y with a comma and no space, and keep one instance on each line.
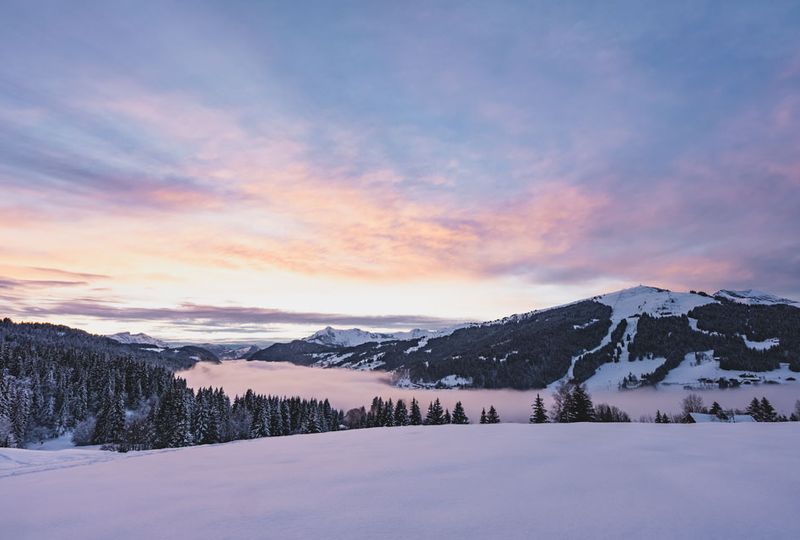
(753,298)
(139,339)
(510,481)
(655,302)
(355,336)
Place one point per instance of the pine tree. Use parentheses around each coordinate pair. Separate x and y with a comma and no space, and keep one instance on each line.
(754,410)
(581,409)
(388,414)
(400,413)
(435,415)
(483,416)
(492,417)
(459,416)
(539,415)
(313,423)
(416,414)
(447,418)
(658,417)
(768,413)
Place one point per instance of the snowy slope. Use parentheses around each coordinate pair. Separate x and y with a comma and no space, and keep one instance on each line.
(355,336)
(138,339)
(753,297)
(510,481)
(651,300)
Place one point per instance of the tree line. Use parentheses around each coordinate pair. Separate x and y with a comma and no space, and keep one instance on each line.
(48,389)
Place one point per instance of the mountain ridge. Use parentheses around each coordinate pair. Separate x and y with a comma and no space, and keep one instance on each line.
(649,331)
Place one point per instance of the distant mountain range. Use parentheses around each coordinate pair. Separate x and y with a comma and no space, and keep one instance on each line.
(220,351)
(354,336)
(638,336)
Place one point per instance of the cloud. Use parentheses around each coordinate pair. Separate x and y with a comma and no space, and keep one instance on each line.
(224,317)
(17,284)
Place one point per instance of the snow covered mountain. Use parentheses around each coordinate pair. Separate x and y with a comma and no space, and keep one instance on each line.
(355,336)
(751,297)
(138,339)
(629,338)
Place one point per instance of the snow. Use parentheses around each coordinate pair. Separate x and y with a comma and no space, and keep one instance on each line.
(761,345)
(702,365)
(510,481)
(655,302)
(59,443)
(16,462)
(610,375)
(355,336)
(453,381)
(701,418)
(752,297)
(420,344)
(138,339)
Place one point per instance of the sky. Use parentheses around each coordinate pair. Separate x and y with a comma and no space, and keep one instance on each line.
(253,171)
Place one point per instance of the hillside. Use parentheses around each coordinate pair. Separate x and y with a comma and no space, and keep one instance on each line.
(135,347)
(627,338)
(506,481)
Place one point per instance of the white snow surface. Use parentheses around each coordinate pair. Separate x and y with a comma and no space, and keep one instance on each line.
(139,339)
(510,481)
(655,302)
(355,336)
(702,365)
(761,345)
(753,297)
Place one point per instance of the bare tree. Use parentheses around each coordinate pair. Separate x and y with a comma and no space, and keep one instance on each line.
(692,403)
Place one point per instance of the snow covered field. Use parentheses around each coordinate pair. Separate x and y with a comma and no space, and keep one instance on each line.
(504,481)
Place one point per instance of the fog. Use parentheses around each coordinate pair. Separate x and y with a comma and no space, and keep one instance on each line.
(347,389)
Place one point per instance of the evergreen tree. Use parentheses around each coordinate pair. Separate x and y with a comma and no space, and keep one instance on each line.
(581,409)
(716,410)
(401,413)
(416,414)
(459,416)
(388,414)
(447,418)
(492,417)
(539,415)
(768,413)
(435,415)
(658,417)
(483,416)
(754,410)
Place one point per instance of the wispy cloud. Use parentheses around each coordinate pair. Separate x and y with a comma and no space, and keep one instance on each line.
(226,317)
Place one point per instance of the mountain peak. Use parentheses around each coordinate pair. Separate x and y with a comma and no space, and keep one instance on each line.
(138,339)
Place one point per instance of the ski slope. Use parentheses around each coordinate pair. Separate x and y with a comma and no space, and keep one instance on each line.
(510,481)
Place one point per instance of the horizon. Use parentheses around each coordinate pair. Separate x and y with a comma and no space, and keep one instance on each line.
(246,173)
(450,324)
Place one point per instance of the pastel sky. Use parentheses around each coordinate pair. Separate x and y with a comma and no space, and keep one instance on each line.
(255,170)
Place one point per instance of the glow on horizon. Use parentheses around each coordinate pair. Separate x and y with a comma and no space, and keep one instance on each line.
(357,166)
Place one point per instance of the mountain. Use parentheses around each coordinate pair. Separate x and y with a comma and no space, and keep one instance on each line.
(230,351)
(138,339)
(637,336)
(751,297)
(355,336)
(64,338)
